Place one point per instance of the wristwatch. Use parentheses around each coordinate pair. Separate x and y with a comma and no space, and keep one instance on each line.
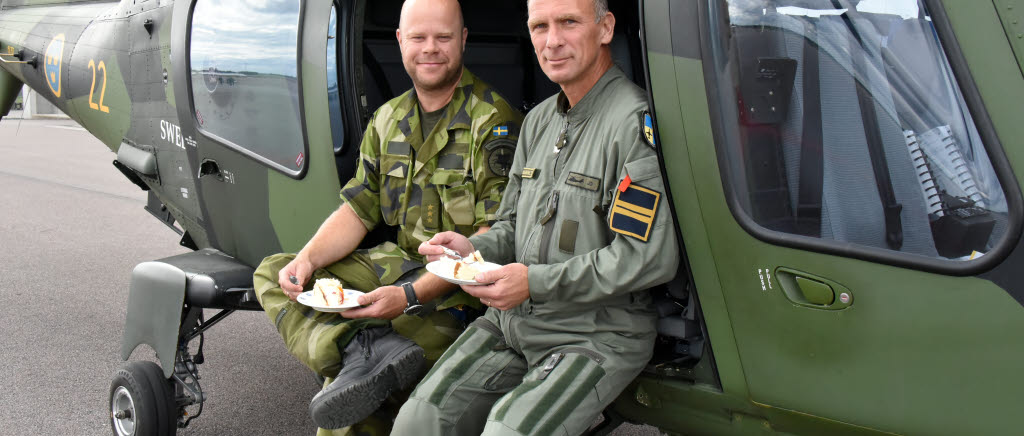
(413,306)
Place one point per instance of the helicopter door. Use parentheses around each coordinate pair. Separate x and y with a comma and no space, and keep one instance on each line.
(257,85)
(860,198)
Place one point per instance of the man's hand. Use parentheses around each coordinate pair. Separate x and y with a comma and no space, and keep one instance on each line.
(385,302)
(432,248)
(301,269)
(511,287)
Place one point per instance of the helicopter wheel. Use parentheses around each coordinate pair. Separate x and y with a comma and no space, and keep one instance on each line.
(142,401)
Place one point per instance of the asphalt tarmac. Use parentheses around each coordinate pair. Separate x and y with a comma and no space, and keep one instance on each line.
(71,230)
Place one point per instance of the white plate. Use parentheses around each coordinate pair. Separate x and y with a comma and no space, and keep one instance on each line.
(351,300)
(437,268)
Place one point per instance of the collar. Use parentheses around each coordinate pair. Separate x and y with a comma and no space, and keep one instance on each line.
(455,117)
(591,100)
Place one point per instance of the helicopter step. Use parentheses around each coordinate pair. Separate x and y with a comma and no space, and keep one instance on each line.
(190,282)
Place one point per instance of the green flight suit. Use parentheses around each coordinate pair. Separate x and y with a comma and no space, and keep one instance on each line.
(449,179)
(589,221)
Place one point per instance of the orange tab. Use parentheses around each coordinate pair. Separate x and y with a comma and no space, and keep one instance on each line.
(625,183)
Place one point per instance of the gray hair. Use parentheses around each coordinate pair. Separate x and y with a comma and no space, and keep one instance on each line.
(600,9)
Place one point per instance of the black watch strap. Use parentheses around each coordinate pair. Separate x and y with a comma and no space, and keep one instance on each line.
(413,306)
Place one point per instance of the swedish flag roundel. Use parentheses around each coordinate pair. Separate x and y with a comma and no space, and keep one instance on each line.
(647,127)
(54,55)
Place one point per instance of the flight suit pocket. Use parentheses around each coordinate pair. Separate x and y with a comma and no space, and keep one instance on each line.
(507,372)
(503,368)
(457,195)
(394,170)
(643,169)
(567,236)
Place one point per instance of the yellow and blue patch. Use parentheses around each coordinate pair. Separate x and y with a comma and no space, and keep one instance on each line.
(633,211)
(647,127)
(500,131)
(54,56)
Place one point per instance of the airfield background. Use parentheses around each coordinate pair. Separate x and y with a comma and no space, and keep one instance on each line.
(34,107)
(71,230)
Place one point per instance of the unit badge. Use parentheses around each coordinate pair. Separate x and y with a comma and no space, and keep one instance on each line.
(633,210)
(500,153)
(647,127)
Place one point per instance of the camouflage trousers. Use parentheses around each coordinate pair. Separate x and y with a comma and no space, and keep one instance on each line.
(318,339)
(481,386)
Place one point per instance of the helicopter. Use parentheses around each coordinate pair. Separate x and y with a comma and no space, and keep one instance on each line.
(842,174)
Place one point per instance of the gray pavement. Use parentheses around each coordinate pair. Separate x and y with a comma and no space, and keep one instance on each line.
(71,230)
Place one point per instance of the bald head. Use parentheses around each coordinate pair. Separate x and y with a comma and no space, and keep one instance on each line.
(444,7)
(432,37)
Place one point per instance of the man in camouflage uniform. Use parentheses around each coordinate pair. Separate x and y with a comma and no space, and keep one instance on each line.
(433,159)
(581,233)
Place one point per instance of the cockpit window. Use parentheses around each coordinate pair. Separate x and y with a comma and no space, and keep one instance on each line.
(843,121)
(244,68)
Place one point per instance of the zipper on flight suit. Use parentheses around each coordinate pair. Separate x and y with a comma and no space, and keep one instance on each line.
(563,138)
(549,228)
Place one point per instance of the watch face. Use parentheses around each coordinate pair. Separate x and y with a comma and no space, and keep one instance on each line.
(415,309)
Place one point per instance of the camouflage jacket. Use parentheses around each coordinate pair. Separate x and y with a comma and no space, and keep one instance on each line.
(453,180)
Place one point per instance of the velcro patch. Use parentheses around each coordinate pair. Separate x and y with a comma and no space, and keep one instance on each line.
(499,156)
(633,211)
(528,173)
(581,181)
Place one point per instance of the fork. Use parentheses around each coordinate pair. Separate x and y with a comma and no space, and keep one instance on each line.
(455,255)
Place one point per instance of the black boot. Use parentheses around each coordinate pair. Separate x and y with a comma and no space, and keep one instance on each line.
(378,362)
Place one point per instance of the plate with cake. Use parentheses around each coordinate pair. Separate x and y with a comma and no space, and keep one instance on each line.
(461,272)
(328,296)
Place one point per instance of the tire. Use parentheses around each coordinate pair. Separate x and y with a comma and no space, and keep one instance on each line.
(139,387)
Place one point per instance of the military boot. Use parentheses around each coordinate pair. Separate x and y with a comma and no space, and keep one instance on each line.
(378,362)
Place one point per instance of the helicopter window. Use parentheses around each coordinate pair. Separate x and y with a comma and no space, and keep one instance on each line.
(244,68)
(842,120)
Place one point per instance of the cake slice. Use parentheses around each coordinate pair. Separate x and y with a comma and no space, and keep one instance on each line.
(464,271)
(328,292)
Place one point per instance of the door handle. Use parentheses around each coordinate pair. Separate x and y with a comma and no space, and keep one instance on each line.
(813,291)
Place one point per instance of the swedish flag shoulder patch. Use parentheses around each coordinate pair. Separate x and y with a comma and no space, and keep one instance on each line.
(633,211)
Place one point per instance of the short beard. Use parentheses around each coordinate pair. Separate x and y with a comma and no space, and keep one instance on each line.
(448,81)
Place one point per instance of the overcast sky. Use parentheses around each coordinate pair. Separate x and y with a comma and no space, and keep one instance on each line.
(246,35)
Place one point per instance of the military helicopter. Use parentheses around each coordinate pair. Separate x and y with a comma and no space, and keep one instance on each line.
(841,173)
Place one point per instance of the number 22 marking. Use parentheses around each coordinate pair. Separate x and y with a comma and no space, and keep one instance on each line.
(103,90)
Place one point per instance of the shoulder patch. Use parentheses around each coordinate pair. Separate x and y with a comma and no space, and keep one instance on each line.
(633,211)
(647,128)
(500,153)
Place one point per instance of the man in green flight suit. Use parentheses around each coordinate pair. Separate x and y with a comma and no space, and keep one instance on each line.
(582,233)
(431,160)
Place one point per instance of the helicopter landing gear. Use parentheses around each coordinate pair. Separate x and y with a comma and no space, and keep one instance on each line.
(142,401)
